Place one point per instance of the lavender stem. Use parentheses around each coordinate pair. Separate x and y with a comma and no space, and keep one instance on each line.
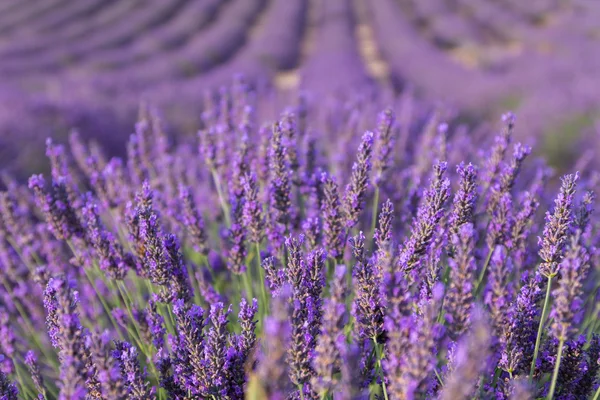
(561,343)
(540,329)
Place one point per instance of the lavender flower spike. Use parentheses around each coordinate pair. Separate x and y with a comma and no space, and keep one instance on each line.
(356,190)
(459,299)
(384,145)
(428,216)
(279,177)
(470,361)
(332,217)
(327,358)
(557,227)
(8,390)
(192,220)
(34,370)
(566,311)
(135,380)
(465,198)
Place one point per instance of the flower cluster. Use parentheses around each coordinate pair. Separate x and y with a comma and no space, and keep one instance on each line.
(264,262)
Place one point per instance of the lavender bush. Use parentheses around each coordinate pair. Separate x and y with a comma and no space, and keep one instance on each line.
(258,261)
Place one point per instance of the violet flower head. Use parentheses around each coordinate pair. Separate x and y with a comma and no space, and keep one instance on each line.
(470,361)
(290,138)
(498,151)
(189,346)
(111,382)
(280,186)
(333,228)
(192,220)
(420,360)
(126,356)
(67,336)
(507,178)
(368,307)
(236,254)
(384,144)
(56,207)
(383,233)
(174,267)
(499,229)
(327,358)
(499,295)
(354,197)
(248,326)
(521,225)
(111,254)
(8,390)
(428,217)
(459,300)
(34,370)
(568,303)
(216,348)
(519,339)
(276,277)
(272,366)
(585,211)
(465,199)
(556,230)
(253,215)
(357,243)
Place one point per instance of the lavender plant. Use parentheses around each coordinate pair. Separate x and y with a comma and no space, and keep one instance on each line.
(135,279)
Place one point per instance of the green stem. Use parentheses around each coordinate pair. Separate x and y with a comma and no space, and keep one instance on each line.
(540,329)
(301,389)
(439,378)
(597,394)
(247,284)
(222,201)
(374,216)
(263,288)
(104,305)
(483,270)
(379,355)
(556,368)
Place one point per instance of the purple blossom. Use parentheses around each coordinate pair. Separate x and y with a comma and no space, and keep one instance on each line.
(356,190)
(558,224)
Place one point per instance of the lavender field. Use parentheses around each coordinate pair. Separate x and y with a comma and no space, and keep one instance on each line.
(299,199)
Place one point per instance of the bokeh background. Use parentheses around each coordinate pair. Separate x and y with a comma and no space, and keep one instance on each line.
(88,64)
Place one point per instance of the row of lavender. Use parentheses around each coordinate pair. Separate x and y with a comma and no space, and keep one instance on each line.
(471,53)
(269,261)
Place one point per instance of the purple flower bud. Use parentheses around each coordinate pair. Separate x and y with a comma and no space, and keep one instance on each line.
(126,356)
(558,225)
(356,190)
(459,299)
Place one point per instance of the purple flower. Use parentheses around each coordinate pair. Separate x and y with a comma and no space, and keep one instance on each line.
(252,213)
(67,336)
(568,304)
(280,188)
(8,390)
(192,220)
(459,299)
(426,222)
(327,359)
(56,206)
(113,259)
(333,229)
(34,370)
(558,224)
(126,356)
(356,190)
(384,144)
(470,361)
(465,199)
